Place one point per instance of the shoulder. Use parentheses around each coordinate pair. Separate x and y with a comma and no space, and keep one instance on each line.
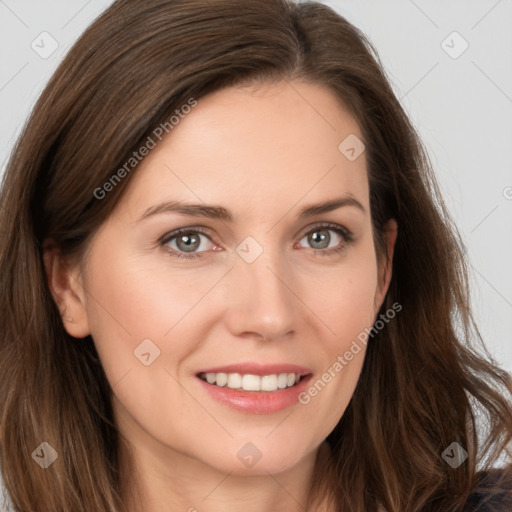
(492,493)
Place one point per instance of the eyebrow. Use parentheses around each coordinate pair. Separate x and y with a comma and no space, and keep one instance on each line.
(221,213)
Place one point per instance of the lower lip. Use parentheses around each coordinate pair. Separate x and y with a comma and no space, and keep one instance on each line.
(257,402)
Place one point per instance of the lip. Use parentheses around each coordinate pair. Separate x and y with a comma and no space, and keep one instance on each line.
(256,402)
(258,369)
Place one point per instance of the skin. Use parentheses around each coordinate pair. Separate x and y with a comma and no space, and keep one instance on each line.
(263,153)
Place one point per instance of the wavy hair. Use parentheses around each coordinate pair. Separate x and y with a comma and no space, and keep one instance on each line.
(427,378)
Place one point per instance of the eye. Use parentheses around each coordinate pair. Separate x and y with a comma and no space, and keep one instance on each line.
(186,242)
(190,243)
(321,239)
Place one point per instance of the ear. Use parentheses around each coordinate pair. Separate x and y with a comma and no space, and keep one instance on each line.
(385,270)
(65,283)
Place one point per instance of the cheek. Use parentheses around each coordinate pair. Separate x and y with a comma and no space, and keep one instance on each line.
(140,298)
(134,299)
(139,315)
(343,299)
(343,296)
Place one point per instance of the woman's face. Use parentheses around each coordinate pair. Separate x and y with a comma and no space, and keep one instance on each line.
(265,292)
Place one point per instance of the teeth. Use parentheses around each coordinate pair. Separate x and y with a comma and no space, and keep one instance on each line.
(234,380)
(221,379)
(252,382)
(268,383)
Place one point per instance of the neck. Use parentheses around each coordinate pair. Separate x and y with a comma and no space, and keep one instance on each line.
(179,482)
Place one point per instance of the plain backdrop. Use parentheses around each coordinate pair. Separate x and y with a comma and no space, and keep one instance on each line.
(449,62)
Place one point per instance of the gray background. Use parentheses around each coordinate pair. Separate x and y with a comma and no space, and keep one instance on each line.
(461,106)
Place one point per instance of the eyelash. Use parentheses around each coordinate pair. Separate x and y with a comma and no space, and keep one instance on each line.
(343,232)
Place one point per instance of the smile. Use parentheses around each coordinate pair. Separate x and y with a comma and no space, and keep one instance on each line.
(253,388)
(249,382)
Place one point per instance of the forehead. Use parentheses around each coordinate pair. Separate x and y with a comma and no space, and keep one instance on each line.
(269,145)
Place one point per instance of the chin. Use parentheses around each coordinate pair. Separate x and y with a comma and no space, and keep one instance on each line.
(258,458)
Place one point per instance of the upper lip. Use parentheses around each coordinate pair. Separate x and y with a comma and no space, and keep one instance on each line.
(257,369)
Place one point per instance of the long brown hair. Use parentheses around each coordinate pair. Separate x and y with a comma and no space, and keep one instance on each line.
(427,378)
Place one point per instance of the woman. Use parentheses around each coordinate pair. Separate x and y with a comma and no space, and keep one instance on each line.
(229,280)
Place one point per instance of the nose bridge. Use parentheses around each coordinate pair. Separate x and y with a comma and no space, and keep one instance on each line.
(262,302)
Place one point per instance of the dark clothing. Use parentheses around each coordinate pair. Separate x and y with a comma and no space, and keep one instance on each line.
(490,495)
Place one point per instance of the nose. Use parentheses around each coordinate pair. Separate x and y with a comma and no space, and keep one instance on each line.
(261,302)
